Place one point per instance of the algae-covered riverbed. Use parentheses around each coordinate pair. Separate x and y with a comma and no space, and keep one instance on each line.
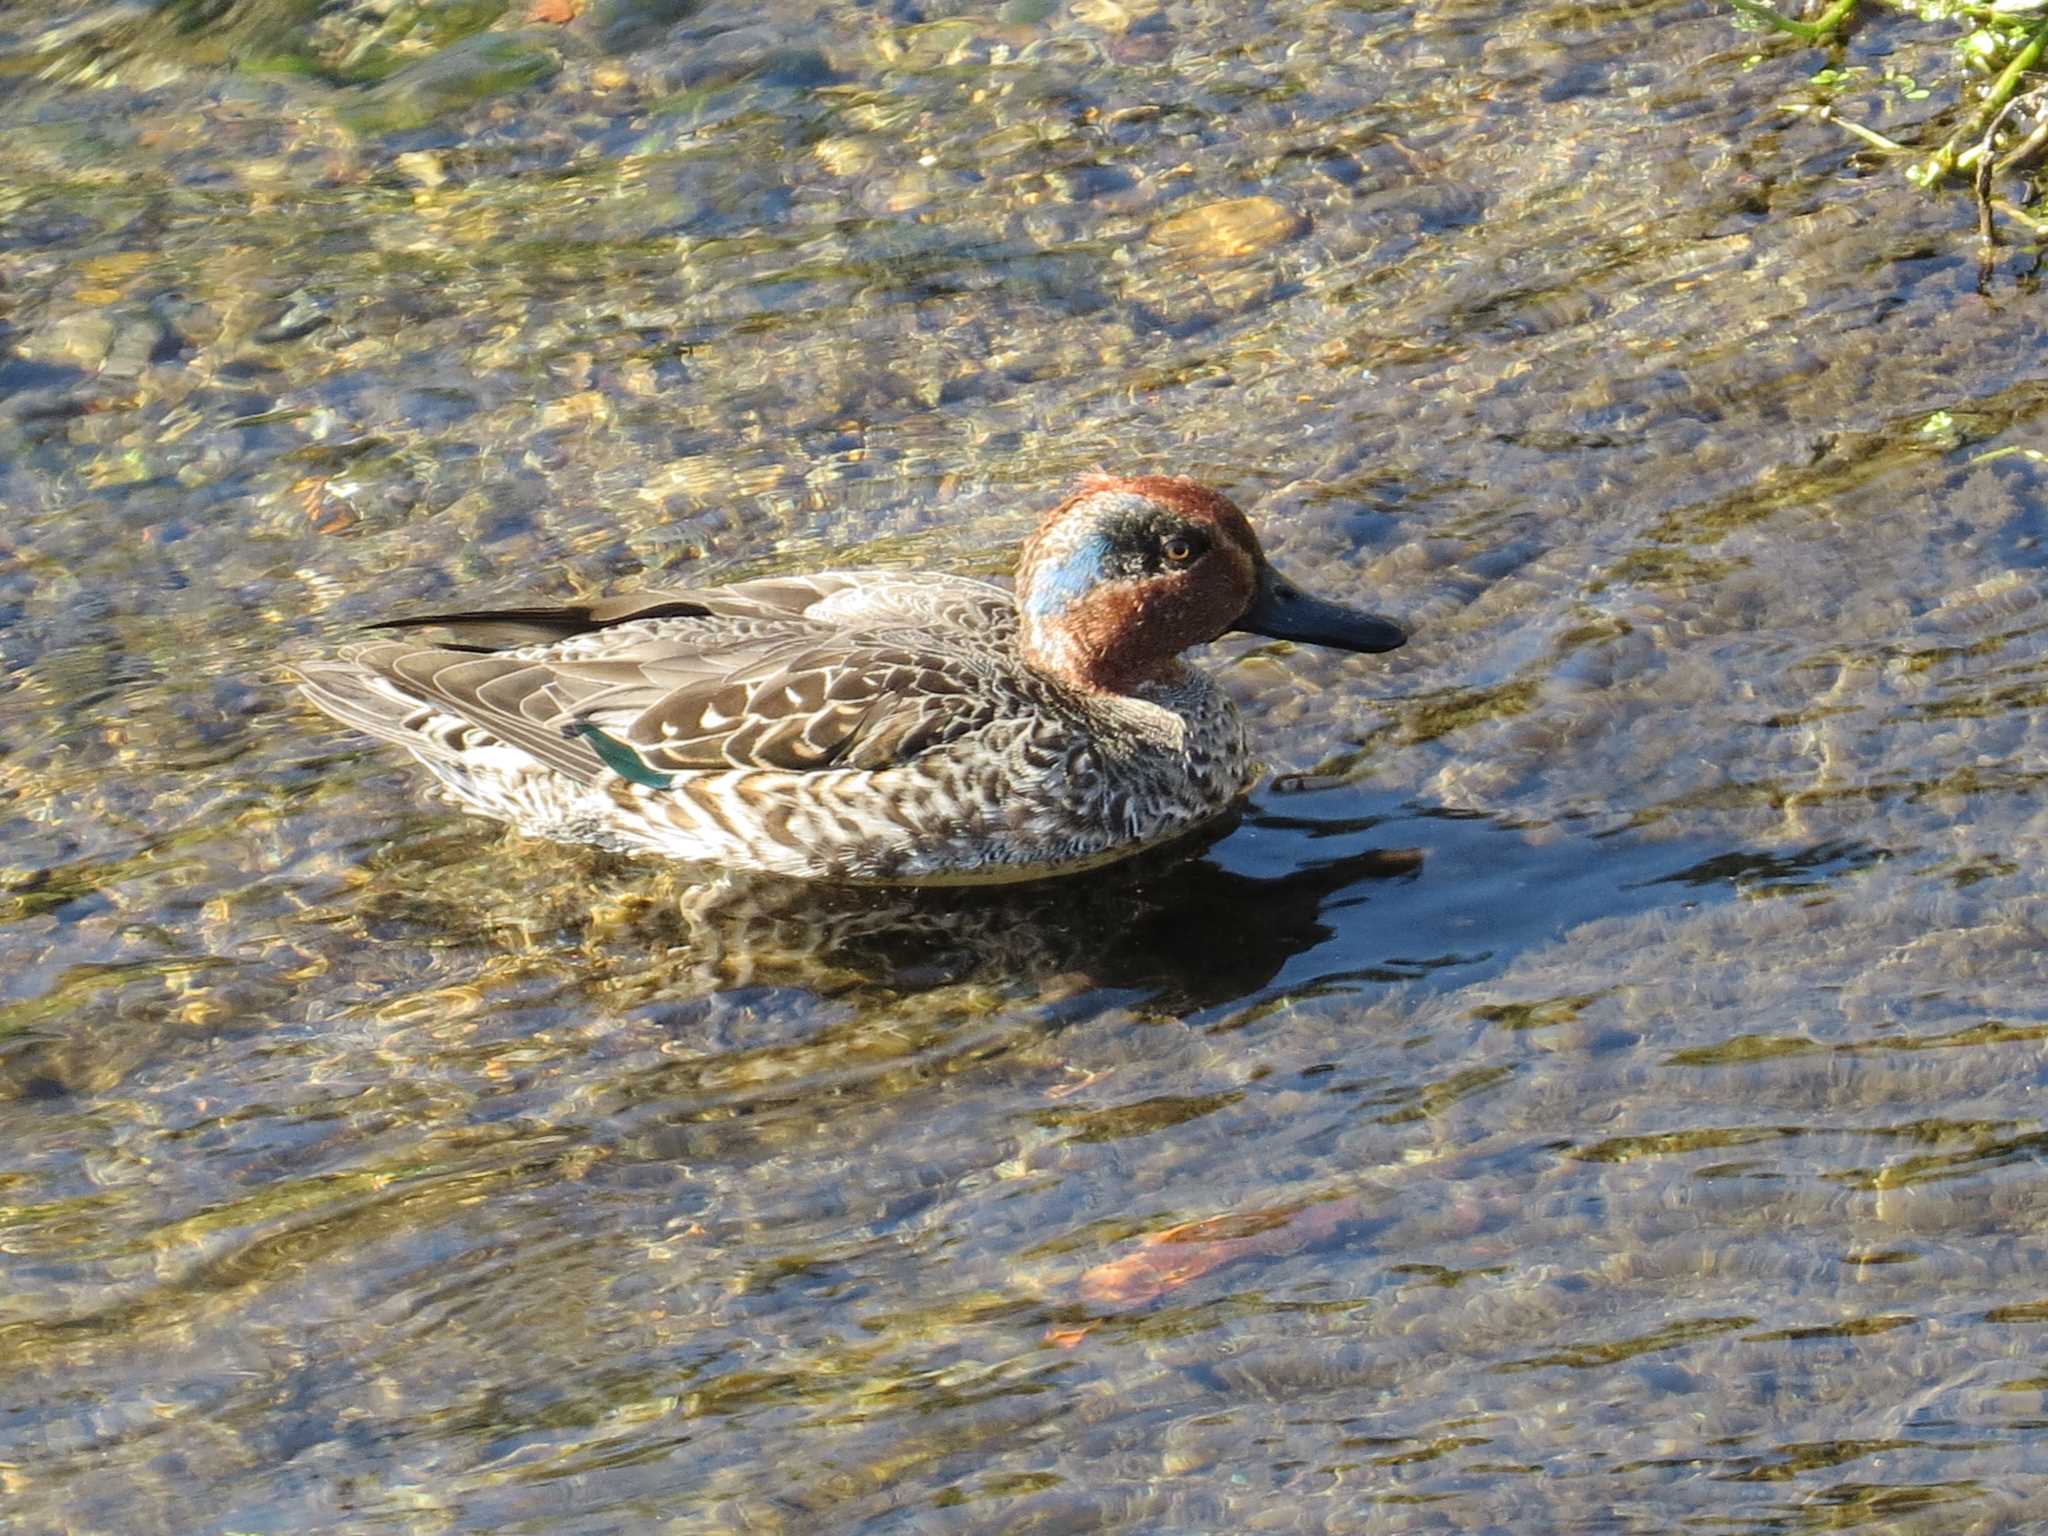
(1596,1087)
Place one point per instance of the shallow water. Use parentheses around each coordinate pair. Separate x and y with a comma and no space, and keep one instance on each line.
(1597,1085)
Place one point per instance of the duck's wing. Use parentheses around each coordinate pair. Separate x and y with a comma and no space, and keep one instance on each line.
(796,699)
(644,698)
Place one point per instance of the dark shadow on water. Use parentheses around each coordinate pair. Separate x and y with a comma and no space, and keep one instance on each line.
(1768,873)
(1332,889)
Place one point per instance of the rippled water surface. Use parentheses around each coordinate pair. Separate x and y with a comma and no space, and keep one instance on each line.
(1597,1086)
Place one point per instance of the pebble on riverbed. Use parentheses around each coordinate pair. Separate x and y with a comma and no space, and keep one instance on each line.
(1228,231)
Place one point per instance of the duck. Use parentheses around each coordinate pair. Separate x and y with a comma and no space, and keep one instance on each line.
(888,727)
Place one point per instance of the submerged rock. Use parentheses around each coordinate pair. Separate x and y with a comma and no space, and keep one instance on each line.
(1230,230)
(487,64)
(617,25)
(81,339)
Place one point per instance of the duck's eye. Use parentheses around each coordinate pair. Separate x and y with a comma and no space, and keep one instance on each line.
(1178,548)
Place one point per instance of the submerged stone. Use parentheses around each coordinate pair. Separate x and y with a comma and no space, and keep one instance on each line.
(1230,230)
(478,67)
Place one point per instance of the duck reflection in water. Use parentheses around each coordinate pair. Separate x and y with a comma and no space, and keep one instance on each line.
(1172,923)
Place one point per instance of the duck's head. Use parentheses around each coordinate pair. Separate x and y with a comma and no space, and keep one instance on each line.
(1125,574)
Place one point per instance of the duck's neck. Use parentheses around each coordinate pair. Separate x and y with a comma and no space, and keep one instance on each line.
(1074,655)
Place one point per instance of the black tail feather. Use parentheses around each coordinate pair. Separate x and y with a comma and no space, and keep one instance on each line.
(503,629)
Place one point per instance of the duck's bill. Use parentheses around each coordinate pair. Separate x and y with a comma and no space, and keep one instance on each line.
(1282,611)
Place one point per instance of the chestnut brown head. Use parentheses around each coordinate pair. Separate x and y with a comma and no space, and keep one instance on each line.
(1127,573)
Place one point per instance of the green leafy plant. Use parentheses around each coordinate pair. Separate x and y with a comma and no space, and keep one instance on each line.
(1997,123)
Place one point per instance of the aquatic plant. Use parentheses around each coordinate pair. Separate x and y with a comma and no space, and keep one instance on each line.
(1994,128)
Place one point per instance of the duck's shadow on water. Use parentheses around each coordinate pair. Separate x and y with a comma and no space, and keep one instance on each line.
(1317,890)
